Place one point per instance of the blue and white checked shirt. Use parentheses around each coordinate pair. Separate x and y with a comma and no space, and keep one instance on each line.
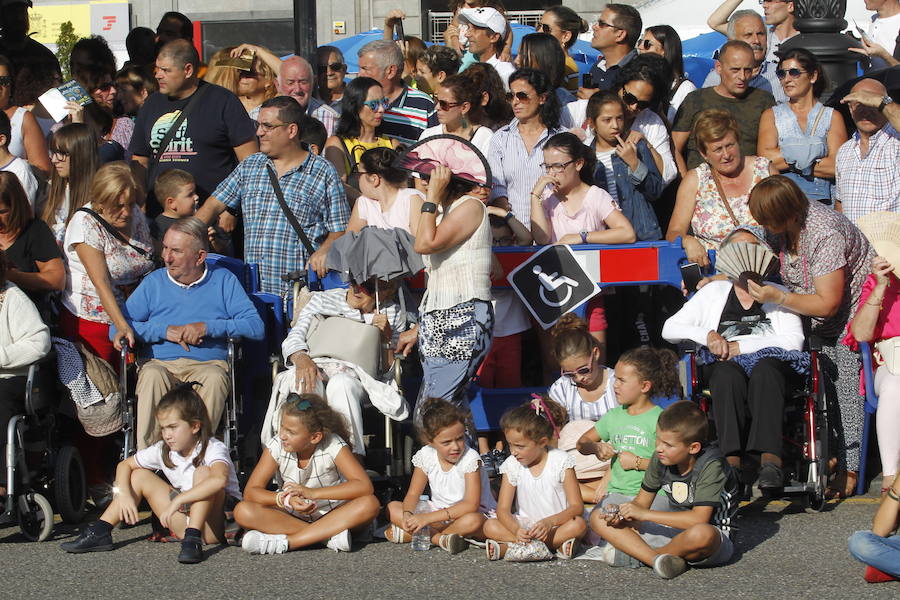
(514,169)
(312,190)
(870,183)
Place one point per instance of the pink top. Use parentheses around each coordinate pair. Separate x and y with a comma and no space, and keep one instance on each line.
(595,208)
(888,324)
(395,218)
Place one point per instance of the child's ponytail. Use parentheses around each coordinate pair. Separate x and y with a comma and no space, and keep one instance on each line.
(438,414)
(316,415)
(539,418)
(659,366)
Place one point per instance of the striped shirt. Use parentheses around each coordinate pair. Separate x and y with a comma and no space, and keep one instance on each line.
(865,184)
(408,116)
(324,113)
(314,193)
(564,392)
(515,170)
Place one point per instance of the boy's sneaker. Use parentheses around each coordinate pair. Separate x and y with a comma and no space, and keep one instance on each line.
(616,558)
(93,538)
(191,550)
(488,464)
(257,542)
(340,542)
(669,566)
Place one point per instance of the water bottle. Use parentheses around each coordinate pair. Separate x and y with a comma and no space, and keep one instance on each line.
(421,540)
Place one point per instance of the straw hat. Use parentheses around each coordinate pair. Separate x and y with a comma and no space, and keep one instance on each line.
(883,231)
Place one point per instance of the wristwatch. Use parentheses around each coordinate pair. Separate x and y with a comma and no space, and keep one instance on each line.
(885,101)
(508,216)
(429,207)
(584,235)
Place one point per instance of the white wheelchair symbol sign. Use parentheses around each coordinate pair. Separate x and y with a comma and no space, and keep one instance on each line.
(552,283)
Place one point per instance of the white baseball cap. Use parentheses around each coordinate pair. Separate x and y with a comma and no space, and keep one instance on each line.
(484,16)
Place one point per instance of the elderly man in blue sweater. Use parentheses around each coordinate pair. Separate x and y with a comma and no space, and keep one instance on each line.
(183,316)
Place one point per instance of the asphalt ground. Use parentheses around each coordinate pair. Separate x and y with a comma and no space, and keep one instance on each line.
(782,551)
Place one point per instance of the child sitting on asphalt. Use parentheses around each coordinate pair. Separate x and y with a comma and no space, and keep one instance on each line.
(702,492)
(460,491)
(198,467)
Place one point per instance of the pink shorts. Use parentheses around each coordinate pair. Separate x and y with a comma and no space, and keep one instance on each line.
(596,315)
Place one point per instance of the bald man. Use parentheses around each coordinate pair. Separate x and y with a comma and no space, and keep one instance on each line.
(296,79)
(866,166)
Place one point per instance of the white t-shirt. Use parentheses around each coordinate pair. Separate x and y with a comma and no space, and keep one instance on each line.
(687,86)
(566,394)
(504,69)
(544,495)
(449,487)
(884,31)
(510,315)
(182,475)
(481,139)
(22,170)
(605,159)
(651,126)
(320,472)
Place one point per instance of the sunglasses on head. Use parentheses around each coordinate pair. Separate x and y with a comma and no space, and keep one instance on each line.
(631,100)
(299,402)
(5,80)
(374,105)
(782,73)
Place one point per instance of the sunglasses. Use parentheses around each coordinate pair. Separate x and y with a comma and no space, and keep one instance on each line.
(299,402)
(645,44)
(580,371)
(374,105)
(271,126)
(520,96)
(603,24)
(794,73)
(445,106)
(5,80)
(631,100)
(335,66)
(545,28)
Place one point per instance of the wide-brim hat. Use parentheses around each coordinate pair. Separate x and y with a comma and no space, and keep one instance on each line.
(882,229)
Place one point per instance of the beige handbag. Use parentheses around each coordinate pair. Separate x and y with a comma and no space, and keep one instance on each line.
(887,354)
(102,418)
(348,340)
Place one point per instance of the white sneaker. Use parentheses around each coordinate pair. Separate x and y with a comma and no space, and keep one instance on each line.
(669,566)
(340,542)
(257,542)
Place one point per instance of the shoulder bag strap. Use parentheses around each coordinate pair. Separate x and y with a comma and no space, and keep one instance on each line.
(112,230)
(724,198)
(812,130)
(292,219)
(167,139)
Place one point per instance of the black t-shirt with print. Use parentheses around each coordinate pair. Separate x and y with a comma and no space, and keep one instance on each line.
(737,320)
(205,141)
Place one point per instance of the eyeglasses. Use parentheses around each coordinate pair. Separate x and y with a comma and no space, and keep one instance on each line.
(580,371)
(631,100)
(520,96)
(374,105)
(335,66)
(299,402)
(794,73)
(271,126)
(603,24)
(5,80)
(58,155)
(445,106)
(557,167)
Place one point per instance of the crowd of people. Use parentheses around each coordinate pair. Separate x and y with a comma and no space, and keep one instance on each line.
(107,218)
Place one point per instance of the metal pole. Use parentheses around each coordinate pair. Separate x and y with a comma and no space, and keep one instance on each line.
(305,28)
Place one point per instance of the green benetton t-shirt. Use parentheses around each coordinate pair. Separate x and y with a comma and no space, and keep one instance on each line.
(634,433)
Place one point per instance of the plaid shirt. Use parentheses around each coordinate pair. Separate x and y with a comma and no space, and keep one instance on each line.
(865,184)
(324,113)
(314,193)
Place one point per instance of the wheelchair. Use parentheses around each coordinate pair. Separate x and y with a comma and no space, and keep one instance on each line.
(805,430)
(42,471)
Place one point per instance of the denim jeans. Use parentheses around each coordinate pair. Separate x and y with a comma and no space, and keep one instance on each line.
(883,553)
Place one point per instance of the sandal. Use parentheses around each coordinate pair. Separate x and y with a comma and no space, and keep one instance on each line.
(493,550)
(843,486)
(396,535)
(568,549)
(452,543)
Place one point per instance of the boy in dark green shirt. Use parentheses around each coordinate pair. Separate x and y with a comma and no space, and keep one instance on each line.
(702,494)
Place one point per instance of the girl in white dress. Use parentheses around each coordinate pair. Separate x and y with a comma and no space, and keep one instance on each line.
(460,492)
(542,482)
(324,492)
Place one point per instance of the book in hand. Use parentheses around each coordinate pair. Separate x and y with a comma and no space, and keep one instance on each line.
(54,99)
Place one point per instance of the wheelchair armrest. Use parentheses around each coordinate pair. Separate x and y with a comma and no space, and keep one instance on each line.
(688,347)
(814,343)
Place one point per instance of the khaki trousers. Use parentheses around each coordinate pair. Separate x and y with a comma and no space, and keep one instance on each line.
(156,377)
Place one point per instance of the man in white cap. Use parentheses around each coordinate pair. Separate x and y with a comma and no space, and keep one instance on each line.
(486,34)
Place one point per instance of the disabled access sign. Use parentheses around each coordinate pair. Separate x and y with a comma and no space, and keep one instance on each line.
(552,283)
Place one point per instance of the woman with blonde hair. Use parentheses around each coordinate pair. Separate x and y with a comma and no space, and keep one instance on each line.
(252,87)
(713,198)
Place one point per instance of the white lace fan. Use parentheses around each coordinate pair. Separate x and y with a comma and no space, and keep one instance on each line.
(883,231)
(742,261)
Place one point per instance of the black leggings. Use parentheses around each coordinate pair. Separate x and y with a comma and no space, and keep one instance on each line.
(12,403)
(749,411)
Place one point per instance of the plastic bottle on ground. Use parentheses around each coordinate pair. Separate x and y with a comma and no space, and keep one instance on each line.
(421,540)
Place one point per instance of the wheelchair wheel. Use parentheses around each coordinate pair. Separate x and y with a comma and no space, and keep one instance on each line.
(819,484)
(69,488)
(35,516)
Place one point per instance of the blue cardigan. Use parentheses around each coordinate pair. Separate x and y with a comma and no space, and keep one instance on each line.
(218,300)
(636,190)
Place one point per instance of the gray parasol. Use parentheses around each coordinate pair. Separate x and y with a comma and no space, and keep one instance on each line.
(383,254)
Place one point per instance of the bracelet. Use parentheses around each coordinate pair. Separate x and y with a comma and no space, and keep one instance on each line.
(893,495)
(509,216)
(784,296)
(538,196)
(408,511)
(449,516)
(880,304)
(279,499)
